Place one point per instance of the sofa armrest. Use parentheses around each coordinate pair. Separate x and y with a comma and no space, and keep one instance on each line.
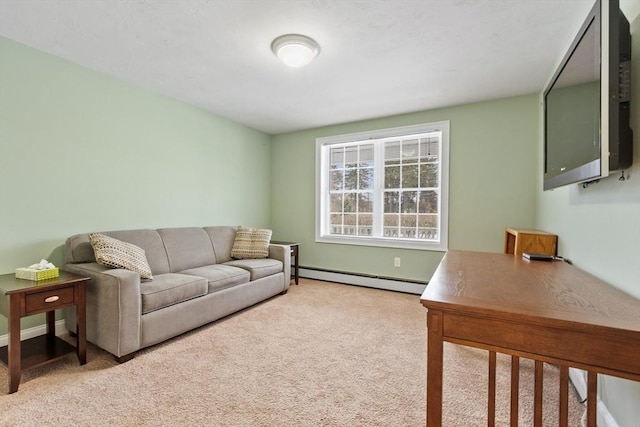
(113,307)
(283,254)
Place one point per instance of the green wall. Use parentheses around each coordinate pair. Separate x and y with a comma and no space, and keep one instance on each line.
(599,230)
(491,186)
(81,151)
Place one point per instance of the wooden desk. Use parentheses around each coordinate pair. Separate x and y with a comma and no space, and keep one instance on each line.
(546,311)
(20,298)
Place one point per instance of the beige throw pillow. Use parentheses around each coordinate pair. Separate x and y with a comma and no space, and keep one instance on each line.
(251,243)
(115,253)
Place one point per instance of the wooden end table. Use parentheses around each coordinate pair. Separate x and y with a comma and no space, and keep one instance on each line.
(294,254)
(20,298)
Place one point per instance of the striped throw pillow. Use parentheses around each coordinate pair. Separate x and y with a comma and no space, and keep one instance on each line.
(115,253)
(251,243)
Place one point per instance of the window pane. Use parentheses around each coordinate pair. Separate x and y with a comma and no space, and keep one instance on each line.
(337,158)
(392,153)
(428,220)
(365,202)
(336,224)
(365,223)
(428,227)
(350,222)
(351,156)
(351,179)
(391,223)
(428,175)
(409,150)
(366,155)
(408,233)
(391,220)
(428,202)
(409,201)
(410,176)
(336,180)
(350,202)
(428,233)
(365,219)
(408,220)
(391,201)
(336,202)
(350,219)
(392,177)
(365,180)
(429,149)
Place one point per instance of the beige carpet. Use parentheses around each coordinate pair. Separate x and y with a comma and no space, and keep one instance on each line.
(322,355)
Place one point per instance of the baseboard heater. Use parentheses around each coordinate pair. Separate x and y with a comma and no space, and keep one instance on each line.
(367,280)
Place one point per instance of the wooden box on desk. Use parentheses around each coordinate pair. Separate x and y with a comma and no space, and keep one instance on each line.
(519,240)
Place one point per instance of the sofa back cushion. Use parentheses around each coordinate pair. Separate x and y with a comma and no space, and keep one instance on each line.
(78,248)
(222,238)
(187,247)
(151,242)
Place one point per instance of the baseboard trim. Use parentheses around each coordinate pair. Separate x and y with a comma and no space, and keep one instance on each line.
(578,379)
(25,334)
(378,282)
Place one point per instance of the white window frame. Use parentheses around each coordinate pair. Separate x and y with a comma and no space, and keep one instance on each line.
(323,146)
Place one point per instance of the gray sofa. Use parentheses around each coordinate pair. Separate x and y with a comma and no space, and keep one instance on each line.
(195,281)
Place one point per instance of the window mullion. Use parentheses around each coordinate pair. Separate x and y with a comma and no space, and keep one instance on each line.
(378,187)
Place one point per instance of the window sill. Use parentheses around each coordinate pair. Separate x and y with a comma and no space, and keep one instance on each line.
(384,243)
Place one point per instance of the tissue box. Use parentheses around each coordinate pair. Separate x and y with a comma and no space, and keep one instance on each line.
(36,275)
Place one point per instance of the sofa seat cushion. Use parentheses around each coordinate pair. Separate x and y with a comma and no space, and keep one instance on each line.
(170,288)
(258,268)
(220,276)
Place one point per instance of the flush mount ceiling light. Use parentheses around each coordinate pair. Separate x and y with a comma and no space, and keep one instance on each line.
(295,50)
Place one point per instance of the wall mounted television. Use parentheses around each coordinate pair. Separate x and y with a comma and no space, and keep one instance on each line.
(586,103)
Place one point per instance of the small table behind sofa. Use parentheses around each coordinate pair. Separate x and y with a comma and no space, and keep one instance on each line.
(295,247)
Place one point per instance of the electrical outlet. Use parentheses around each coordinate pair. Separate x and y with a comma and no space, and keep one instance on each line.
(396,262)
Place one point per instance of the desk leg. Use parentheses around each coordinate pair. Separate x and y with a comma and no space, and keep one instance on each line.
(592,398)
(434,368)
(14,351)
(81,323)
(491,401)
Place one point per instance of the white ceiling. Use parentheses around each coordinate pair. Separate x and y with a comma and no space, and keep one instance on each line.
(378,57)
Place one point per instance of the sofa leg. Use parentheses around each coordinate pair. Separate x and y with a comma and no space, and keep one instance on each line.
(125,358)
(284,292)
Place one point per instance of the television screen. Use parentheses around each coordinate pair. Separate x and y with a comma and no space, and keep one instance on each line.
(586,103)
(573,108)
